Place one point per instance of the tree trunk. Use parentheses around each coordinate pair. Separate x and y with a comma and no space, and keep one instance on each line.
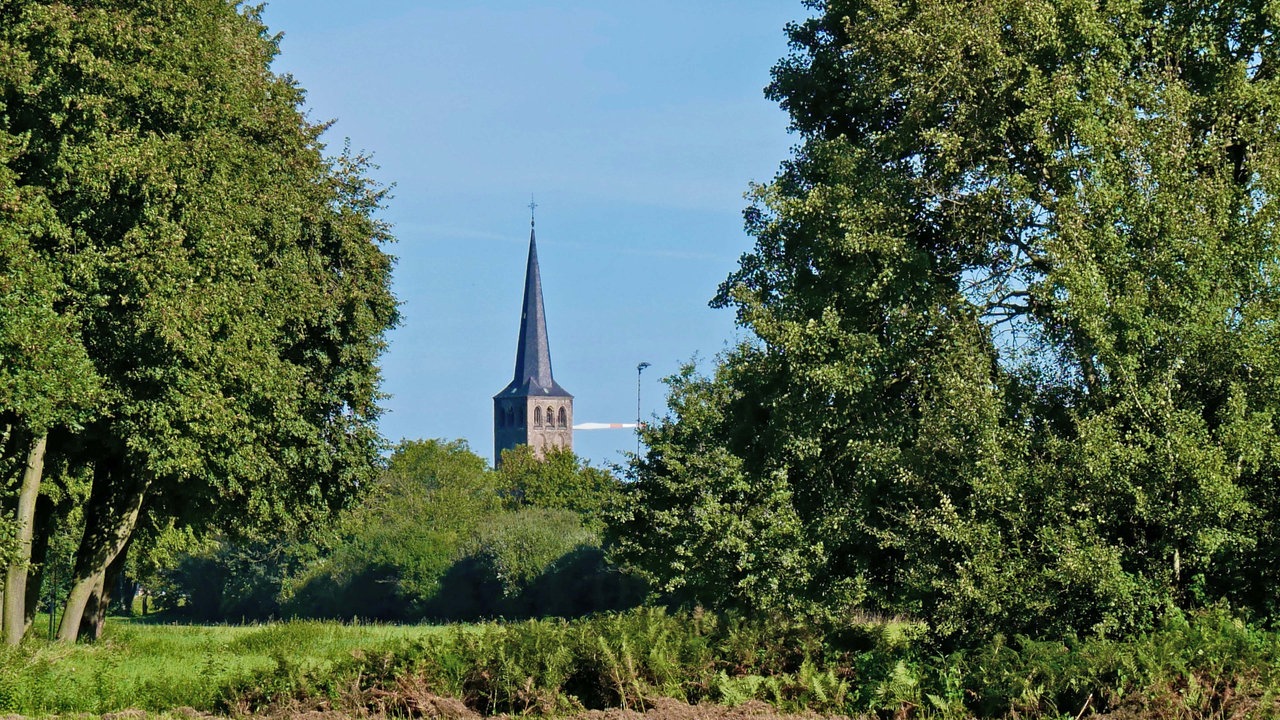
(15,584)
(95,612)
(45,513)
(110,516)
(125,593)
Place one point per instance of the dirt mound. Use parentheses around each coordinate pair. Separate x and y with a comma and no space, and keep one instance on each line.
(434,707)
(668,709)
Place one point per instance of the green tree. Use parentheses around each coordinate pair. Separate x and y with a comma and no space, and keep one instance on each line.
(46,379)
(559,480)
(227,278)
(442,536)
(1014,308)
(504,556)
(392,550)
(695,526)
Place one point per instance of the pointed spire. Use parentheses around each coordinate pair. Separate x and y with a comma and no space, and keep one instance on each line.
(533,353)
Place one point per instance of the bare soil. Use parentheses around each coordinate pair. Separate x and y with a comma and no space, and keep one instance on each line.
(434,707)
(667,709)
(439,708)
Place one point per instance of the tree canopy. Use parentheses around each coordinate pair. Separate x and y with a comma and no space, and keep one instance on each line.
(204,290)
(442,536)
(1013,305)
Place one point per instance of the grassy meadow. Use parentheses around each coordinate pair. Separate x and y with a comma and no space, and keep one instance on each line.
(157,667)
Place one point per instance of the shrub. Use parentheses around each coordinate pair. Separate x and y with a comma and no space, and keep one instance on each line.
(442,537)
(1205,665)
(622,660)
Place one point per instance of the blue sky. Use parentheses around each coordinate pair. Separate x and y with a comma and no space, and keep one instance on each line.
(638,126)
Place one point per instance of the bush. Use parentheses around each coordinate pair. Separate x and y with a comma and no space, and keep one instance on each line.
(443,537)
(1206,665)
(625,660)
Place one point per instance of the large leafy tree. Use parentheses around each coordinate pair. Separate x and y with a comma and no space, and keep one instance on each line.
(226,277)
(46,380)
(1014,301)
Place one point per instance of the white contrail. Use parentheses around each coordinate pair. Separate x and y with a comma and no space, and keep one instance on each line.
(604,426)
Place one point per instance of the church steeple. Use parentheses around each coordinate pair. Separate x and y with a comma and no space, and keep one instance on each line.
(532,409)
(533,351)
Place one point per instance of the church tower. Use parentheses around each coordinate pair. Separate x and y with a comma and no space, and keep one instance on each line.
(533,410)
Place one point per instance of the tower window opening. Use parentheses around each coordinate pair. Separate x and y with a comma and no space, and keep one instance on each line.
(537,417)
(563,419)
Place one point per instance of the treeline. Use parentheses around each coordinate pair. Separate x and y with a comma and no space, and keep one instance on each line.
(193,294)
(1013,312)
(439,536)
(1014,320)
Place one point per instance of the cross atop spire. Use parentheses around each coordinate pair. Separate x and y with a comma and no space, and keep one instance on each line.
(532,206)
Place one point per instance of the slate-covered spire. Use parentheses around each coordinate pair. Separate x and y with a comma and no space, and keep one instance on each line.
(533,353)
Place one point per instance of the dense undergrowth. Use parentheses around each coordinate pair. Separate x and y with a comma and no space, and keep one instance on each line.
(1205,665)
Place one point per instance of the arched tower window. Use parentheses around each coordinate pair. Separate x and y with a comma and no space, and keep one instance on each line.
(537,416)
(563,420)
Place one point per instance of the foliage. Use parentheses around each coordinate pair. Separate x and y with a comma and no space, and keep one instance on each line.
(66,489)
(530,562)
(1013,364)
(518,546)
(441,536)
(230,275)
(548,667)
(45,377)
(560,480)
(1193,666)
(1208,664)
(697,528)
(156,559)
(395,546)
(228,580)
(203,290)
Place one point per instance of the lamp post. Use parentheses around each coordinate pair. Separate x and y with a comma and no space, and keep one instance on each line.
(639,371)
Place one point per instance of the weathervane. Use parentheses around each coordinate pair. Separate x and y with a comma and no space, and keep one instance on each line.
(532,206)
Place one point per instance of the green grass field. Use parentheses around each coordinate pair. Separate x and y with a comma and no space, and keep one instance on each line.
(158,667)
